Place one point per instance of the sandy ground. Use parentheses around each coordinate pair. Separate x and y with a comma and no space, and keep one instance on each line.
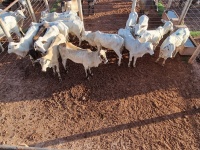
(119,108)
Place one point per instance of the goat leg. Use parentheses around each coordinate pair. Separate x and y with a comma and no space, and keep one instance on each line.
(90,72)
(2,49)
(134,61)
(54,70)
(157,60)
(58,71)
(163,64)
(86,73)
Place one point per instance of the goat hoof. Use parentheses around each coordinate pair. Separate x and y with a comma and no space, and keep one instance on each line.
(60,80)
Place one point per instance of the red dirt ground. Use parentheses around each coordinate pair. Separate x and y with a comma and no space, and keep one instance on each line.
(120,108)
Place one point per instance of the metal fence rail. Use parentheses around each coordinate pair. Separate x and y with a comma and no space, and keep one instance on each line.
(9,147)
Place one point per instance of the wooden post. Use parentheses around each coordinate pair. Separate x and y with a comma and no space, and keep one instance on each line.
(194,55)
(184,11)
(169,4)
(47,5)
(30,9)
(5,30)
(80,12)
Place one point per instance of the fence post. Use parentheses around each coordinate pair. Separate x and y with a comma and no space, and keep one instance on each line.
(169,4)
(30,9)
(47,5)
(184,11)
(80,12)
(194,55)
(5,30)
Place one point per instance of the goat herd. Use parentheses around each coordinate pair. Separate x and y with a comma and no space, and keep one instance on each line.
(44,42)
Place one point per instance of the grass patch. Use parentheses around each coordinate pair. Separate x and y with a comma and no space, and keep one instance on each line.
(195,33)
(161,8)
(55,5)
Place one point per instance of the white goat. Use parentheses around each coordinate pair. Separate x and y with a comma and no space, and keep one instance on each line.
(135,48)
(110,41)
(12,24)
(86,57)
(89,37)
(75,25)
(26,43)
(141,26)
(133,16)
(43,43)
(18,14)
(154,36)
(61,27)
(50,60)
(173,43)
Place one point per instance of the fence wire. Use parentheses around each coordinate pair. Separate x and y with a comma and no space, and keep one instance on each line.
(38,7)
(192,18)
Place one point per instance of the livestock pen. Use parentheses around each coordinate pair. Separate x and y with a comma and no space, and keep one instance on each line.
(147,107)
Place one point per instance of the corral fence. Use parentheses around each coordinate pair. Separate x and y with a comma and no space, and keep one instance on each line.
(31,9)
(188,12)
